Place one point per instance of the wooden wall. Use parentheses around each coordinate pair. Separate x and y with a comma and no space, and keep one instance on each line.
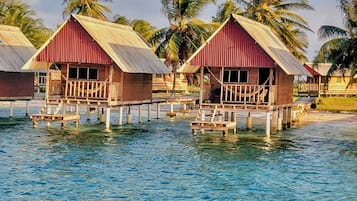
(137,87)
(16,85)
(285,87)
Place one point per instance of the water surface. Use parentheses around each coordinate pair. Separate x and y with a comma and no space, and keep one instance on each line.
(161,160)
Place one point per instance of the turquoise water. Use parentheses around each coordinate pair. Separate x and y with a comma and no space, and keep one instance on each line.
(161,160)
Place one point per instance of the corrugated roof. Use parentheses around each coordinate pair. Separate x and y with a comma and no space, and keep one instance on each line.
(127,49)
(15,49)
(268,41)
(323,68)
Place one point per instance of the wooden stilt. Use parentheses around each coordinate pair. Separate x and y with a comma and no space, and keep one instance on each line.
(280,121)
(226,116)
(249,121)
(149,112)
(102,117)
(129,117)
(27,108)
(140,112)
(107,119)
(267,126)
(120,115)
(288,117)
(284,118)
(233,116)
(98,113)
(158,111)
(48,124)
(77,109)
(88,113)
(11,113)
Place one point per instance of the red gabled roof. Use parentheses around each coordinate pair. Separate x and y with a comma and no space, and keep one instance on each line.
(311,70)
(232,47)
(72,44)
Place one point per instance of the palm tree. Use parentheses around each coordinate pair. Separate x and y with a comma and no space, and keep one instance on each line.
(184,34)
(277,14)
(341,48)
(16,13)
(90,8)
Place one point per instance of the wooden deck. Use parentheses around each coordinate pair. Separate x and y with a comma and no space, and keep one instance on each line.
(213,125)
(61,118)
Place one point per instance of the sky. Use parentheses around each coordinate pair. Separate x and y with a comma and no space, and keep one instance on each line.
(326,13)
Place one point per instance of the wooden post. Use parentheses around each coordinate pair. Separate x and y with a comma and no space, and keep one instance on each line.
(107,119)
(149,112)
(158,111)
(88,113)
(201,85)
(288,115)
(27,108)
(48,79)
(129,117)
(271,77)
(11,113)
(221,79)
(48,112)
(140,112)
(120,115)
(267,127)
(98,113)
(77,109)
(101,117)
(284,118)
(249,121)
(280,121)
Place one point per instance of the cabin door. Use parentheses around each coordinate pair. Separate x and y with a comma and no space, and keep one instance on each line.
(263,76)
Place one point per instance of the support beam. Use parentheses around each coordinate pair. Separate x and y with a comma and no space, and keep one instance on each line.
(280,121)
(11,113)
(107,119)
(120,115)
(249,121)
(158,111)
(140,112)
(129,117)
(267,125)
(27,108)
(149,112)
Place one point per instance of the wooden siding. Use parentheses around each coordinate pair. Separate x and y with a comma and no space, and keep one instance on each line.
(137,87)
(232,47)
(16,85)
(73,44)
(164,83)
(285,84)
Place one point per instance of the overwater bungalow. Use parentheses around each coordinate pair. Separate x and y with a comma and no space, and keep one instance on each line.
(15,50)
(243,66)
(338,84)
(95,63)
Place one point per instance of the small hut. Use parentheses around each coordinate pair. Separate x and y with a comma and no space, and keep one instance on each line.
(15,50)
(243,65)
(337,84)
(96,63)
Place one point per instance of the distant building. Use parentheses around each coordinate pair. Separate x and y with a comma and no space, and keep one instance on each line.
(15,50)
(338,84)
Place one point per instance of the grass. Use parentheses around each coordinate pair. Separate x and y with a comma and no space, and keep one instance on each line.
(337,104)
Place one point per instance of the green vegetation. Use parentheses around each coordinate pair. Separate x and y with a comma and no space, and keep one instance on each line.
(337,104)
(340,49)
(90,8)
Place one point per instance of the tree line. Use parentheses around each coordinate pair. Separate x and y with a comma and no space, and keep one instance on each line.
(186,32)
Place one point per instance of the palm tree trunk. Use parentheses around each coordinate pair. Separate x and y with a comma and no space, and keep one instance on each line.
(174,81)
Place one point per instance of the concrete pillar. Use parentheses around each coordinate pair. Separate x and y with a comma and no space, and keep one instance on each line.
(280,121)
(27,108)
(102,117)
(120,115)
(274,120)
(172,108)
(267,125)
(249,121)
(11,113)
(149,112)
(107,120)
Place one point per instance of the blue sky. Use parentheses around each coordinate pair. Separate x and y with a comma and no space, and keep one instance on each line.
(326,12)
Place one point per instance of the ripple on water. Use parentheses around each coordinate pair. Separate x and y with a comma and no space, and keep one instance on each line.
(161,160)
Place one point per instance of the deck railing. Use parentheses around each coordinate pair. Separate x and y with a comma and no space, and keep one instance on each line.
(245,94)
(83,89)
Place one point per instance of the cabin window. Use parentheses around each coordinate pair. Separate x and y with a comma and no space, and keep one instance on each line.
(80,73)
(235,76)
(158,75)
